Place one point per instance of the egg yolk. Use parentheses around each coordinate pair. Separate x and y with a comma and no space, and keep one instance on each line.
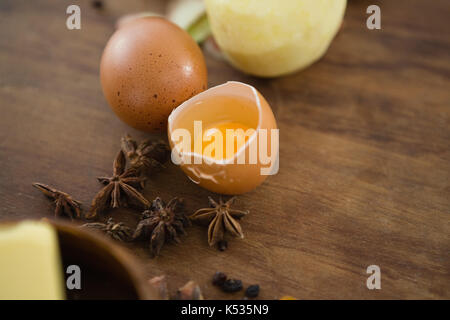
(222,140)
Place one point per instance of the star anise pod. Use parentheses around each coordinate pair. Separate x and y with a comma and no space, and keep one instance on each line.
(221,219)
(118,231)
(162,223)
(147,157)
(65,205)
(119,190)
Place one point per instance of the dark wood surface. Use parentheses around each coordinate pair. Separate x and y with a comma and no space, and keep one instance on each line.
(364,162)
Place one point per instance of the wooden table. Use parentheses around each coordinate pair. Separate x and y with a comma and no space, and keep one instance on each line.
(364,162)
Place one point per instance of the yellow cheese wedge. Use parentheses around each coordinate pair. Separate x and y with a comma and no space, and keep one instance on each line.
(30,264)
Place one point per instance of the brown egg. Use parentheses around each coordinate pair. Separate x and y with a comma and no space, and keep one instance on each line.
(149,67)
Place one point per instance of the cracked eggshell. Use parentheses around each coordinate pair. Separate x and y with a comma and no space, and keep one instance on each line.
(149,67)
(224,176)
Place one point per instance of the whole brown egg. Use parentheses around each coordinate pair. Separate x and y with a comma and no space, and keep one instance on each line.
(148,68)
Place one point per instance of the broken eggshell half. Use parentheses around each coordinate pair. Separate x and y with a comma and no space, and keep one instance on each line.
(251,163)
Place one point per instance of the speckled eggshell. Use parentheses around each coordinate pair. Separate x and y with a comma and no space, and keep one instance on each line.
(148,68)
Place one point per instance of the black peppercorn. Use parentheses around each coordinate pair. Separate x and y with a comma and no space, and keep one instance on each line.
(252,291)
(222,245)
(98,4)
(219,279)
(232,285)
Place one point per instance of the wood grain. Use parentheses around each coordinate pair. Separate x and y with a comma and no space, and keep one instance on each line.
(364,162)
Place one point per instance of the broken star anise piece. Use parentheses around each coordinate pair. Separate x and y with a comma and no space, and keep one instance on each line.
(159,284)
(190,291)
(116,230)
(222,219)
(147,157)
(162,223)
(65,205)
(119,190)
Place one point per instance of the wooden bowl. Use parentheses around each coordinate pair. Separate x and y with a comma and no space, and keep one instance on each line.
(108,271)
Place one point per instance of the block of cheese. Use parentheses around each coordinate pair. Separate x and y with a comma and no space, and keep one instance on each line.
(30,263)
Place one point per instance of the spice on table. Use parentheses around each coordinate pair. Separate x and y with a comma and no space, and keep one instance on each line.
(232,285)
(252,291)
(97,4)
(116,230)
(160,284)
(65,205)
(162,223)
(119,190)
(222,219)
(190,291)
(219,279)
(222,245)
(147,157)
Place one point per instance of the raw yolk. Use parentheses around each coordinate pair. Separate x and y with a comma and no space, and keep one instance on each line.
(222,140)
